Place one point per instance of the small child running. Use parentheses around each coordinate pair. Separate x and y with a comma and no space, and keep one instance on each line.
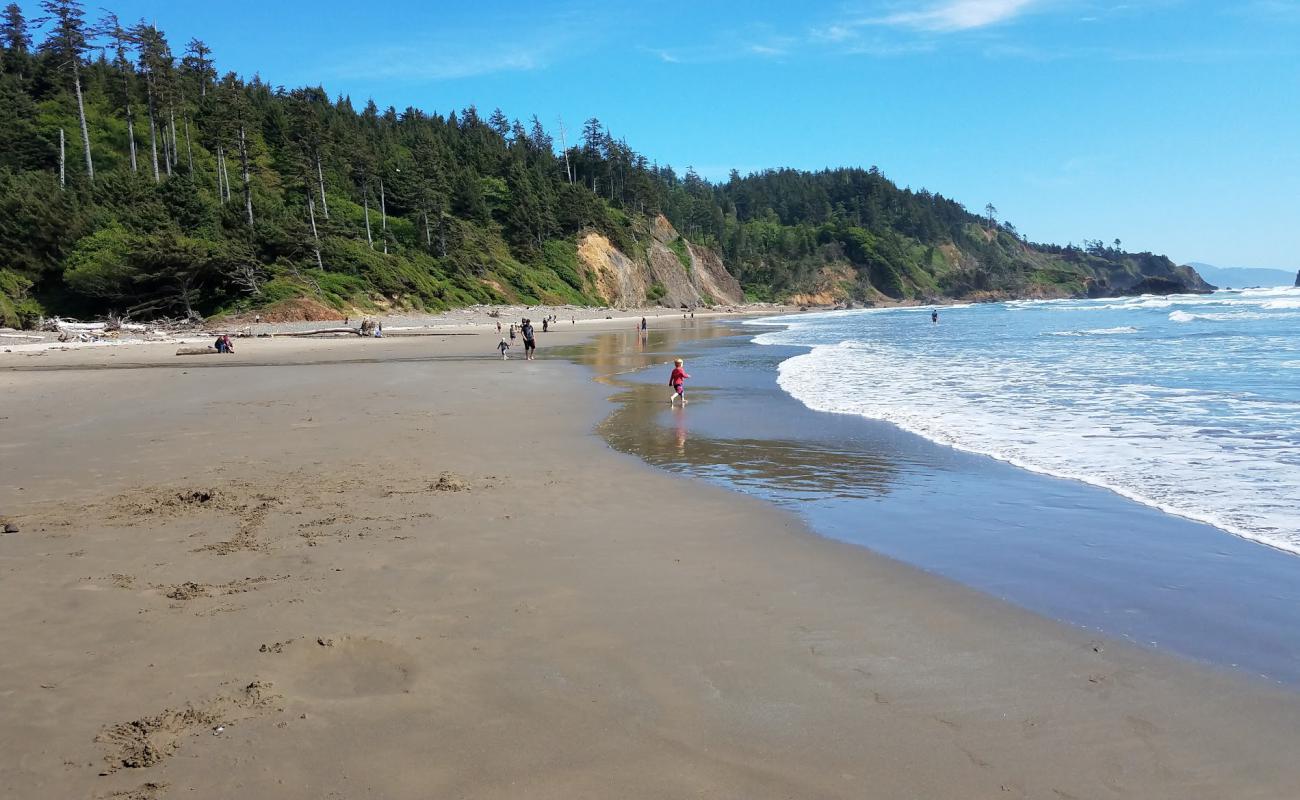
(678,381)
(503,346)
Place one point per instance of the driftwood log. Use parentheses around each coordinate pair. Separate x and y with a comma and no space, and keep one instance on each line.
(196,351)
(324,331)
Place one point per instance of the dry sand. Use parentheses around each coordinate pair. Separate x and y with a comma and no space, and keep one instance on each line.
(396,569)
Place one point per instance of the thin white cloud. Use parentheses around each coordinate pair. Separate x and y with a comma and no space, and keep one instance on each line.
(430,64)
(957,15)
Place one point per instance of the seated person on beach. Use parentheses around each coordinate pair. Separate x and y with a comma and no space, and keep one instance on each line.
(677,380)
(224,345)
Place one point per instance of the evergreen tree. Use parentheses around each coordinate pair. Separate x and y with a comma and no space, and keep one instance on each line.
(67,43)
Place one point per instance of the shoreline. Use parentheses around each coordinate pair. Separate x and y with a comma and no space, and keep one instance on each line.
(1216,522)
(573,623)
(1074,552)
(475,319)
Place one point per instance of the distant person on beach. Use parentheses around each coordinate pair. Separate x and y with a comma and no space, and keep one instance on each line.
(224,345)
(934,316)
(643,323)
(546,324)
(530,343)
(677,380)
(512,331)
(503,346)
(498,326)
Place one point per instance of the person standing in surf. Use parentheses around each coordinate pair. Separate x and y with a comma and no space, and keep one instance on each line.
(677,380)
(934,316)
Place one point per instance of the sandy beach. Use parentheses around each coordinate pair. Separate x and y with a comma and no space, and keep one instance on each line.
(406,568)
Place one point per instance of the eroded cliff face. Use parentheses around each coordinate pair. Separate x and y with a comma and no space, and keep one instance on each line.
(659,276)
(617,278)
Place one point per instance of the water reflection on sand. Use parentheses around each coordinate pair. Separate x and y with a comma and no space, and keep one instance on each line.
(724,398)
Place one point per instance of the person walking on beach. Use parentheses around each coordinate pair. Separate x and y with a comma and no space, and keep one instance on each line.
(498,326)
(643,323)
(512,331)
(503,346)
(530,343)
(677,380)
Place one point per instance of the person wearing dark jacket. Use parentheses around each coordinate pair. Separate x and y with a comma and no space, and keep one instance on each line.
(530,341)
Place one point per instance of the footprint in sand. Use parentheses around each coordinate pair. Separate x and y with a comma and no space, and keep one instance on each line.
(343,668)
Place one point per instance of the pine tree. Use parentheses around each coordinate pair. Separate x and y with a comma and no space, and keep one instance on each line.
(155,61)
(121,41)
(198,64)
(68,41)
(16,40)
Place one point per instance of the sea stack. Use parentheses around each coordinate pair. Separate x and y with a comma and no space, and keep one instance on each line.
(1297,277)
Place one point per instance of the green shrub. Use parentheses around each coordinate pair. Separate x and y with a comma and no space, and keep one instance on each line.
(17,310)
(678,246)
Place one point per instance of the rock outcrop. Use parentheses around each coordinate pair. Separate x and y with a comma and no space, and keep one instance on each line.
(672,272)
(1297,278)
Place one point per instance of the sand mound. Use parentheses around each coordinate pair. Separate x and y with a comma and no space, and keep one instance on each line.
(187,591)
(145,791)
(450,482)
(171,502)
(148,741)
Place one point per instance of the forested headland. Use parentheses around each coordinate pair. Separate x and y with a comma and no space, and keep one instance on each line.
(137,178)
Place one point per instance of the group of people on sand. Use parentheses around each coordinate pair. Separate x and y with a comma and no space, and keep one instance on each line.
(529,335)
(676,379)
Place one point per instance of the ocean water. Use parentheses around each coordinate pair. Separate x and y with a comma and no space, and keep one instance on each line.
(1189,404)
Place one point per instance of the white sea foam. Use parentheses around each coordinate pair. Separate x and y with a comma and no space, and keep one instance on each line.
(1197,420)
(1116,331)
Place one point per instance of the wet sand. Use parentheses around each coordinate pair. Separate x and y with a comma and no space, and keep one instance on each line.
(403,568)
(1061,548)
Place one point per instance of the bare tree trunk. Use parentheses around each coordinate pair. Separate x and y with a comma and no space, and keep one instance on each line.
(130,134)
(85,131)
(366,200)
(248,184)
(186,283)
(63,158)
(320,176)
(311,213)
(246,275)
(442,233)
(225,173)
(130,119)
(167,150)
(221,184)
(568,170)
(189,149)
(383,215)
(153,145)
(176,156)
(428,236)
(221,164)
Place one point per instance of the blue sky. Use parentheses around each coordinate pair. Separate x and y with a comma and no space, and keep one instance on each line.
(1173,125)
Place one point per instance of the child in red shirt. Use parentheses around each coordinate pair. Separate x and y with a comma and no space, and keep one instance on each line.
(677,380)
